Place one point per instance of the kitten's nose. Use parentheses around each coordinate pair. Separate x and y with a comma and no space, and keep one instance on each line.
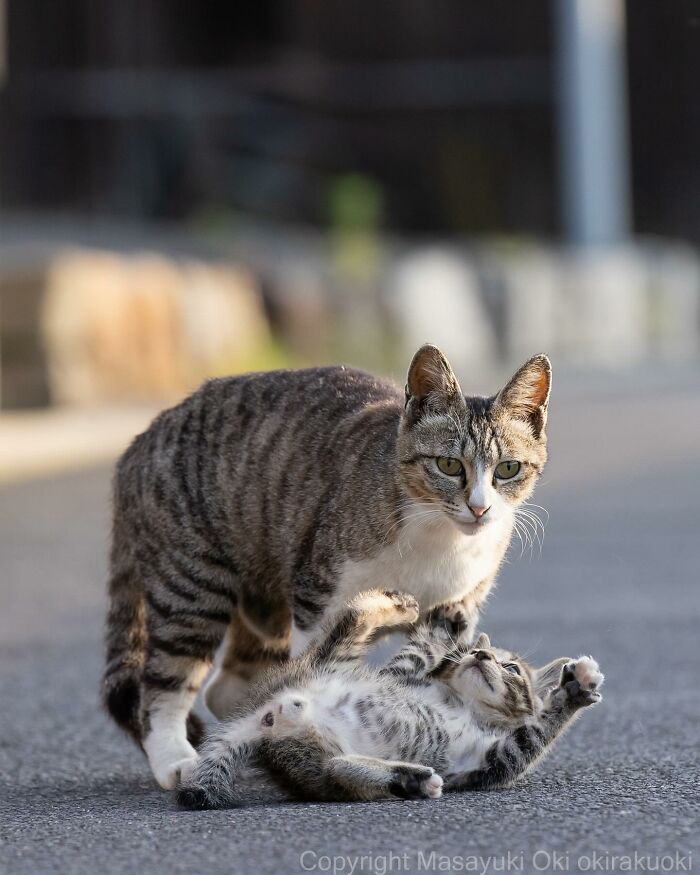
(482,655)
(478,510)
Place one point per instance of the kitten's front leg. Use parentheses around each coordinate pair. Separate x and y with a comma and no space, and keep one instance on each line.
(352,631)
(511,757)
(422,654)
(429,644)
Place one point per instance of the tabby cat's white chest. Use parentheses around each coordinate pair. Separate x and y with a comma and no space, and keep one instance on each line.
(432,561)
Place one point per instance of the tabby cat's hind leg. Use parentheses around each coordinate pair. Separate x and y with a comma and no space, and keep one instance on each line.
(181,645)
(170,685)
(245,656)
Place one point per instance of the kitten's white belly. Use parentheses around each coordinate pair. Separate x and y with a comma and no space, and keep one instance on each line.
(434,562)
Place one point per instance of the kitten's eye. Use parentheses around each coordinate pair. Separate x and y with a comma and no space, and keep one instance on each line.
(512,668)
(507,470)
(451,467)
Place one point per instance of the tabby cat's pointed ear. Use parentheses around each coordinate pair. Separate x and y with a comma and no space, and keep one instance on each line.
(430,375)
(483,642)
(548,677)
(526,395)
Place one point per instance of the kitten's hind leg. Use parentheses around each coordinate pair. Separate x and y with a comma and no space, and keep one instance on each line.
(307,765)
(181,645)
(373,778)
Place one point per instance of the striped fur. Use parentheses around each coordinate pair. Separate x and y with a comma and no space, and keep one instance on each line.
(326,727)
(261,504)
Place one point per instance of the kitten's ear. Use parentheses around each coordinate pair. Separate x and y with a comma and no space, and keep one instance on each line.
(548,677)
(430,375)
(526,395)
(483,642)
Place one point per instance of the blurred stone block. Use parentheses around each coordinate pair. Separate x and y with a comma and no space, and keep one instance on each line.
(674,303)
(532,300)
(603,314)
(120,327)
(435,297)
(302,312)
(23,371)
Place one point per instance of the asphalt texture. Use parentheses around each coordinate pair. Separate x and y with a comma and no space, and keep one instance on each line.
(617,577)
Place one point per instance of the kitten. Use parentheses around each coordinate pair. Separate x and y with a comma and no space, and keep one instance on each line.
(442,714)
(262,503)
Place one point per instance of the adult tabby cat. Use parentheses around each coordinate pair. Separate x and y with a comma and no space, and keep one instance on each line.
(443,711)
(263,503)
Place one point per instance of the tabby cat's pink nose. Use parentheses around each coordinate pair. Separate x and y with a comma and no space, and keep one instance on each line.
(478,510)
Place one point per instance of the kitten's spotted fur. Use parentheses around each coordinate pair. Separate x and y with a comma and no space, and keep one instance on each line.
(263,503)
(442,713)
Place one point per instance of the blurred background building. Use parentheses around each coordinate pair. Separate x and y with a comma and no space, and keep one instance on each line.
(190,189)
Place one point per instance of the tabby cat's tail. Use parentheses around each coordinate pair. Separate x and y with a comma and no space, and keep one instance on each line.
(126,642)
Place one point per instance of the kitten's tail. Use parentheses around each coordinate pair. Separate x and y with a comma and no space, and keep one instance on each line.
(126,641)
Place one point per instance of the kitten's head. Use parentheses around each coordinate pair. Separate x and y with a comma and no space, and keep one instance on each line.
(476,459)
(501,687)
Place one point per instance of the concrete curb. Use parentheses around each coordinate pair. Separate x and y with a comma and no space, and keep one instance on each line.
(45,442)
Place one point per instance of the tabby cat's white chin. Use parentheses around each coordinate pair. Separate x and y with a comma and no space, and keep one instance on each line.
(467,527)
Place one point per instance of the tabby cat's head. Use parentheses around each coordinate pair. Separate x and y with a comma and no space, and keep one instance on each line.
(475,459)
(500,686)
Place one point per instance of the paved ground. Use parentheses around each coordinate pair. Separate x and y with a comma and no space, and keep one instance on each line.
(618,577)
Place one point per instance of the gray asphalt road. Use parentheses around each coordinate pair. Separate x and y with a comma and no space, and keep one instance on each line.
(618,577)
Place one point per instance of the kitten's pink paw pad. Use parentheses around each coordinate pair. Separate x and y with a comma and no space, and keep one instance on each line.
(587,672)
(432,787)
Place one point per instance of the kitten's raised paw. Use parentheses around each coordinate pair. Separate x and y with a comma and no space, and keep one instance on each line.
(388,607)
(404,603)
(582,679)
(416,782)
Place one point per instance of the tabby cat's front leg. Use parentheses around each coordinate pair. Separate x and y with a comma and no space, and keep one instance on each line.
(460,619)
(511,757)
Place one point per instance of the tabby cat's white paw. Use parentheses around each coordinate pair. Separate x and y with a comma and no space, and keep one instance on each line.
(170,775)
(170,767)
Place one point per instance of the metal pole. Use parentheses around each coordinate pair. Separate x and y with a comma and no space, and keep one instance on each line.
(592,117)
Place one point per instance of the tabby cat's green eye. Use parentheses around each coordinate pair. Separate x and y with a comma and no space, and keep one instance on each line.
(507,470)
(451,467)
